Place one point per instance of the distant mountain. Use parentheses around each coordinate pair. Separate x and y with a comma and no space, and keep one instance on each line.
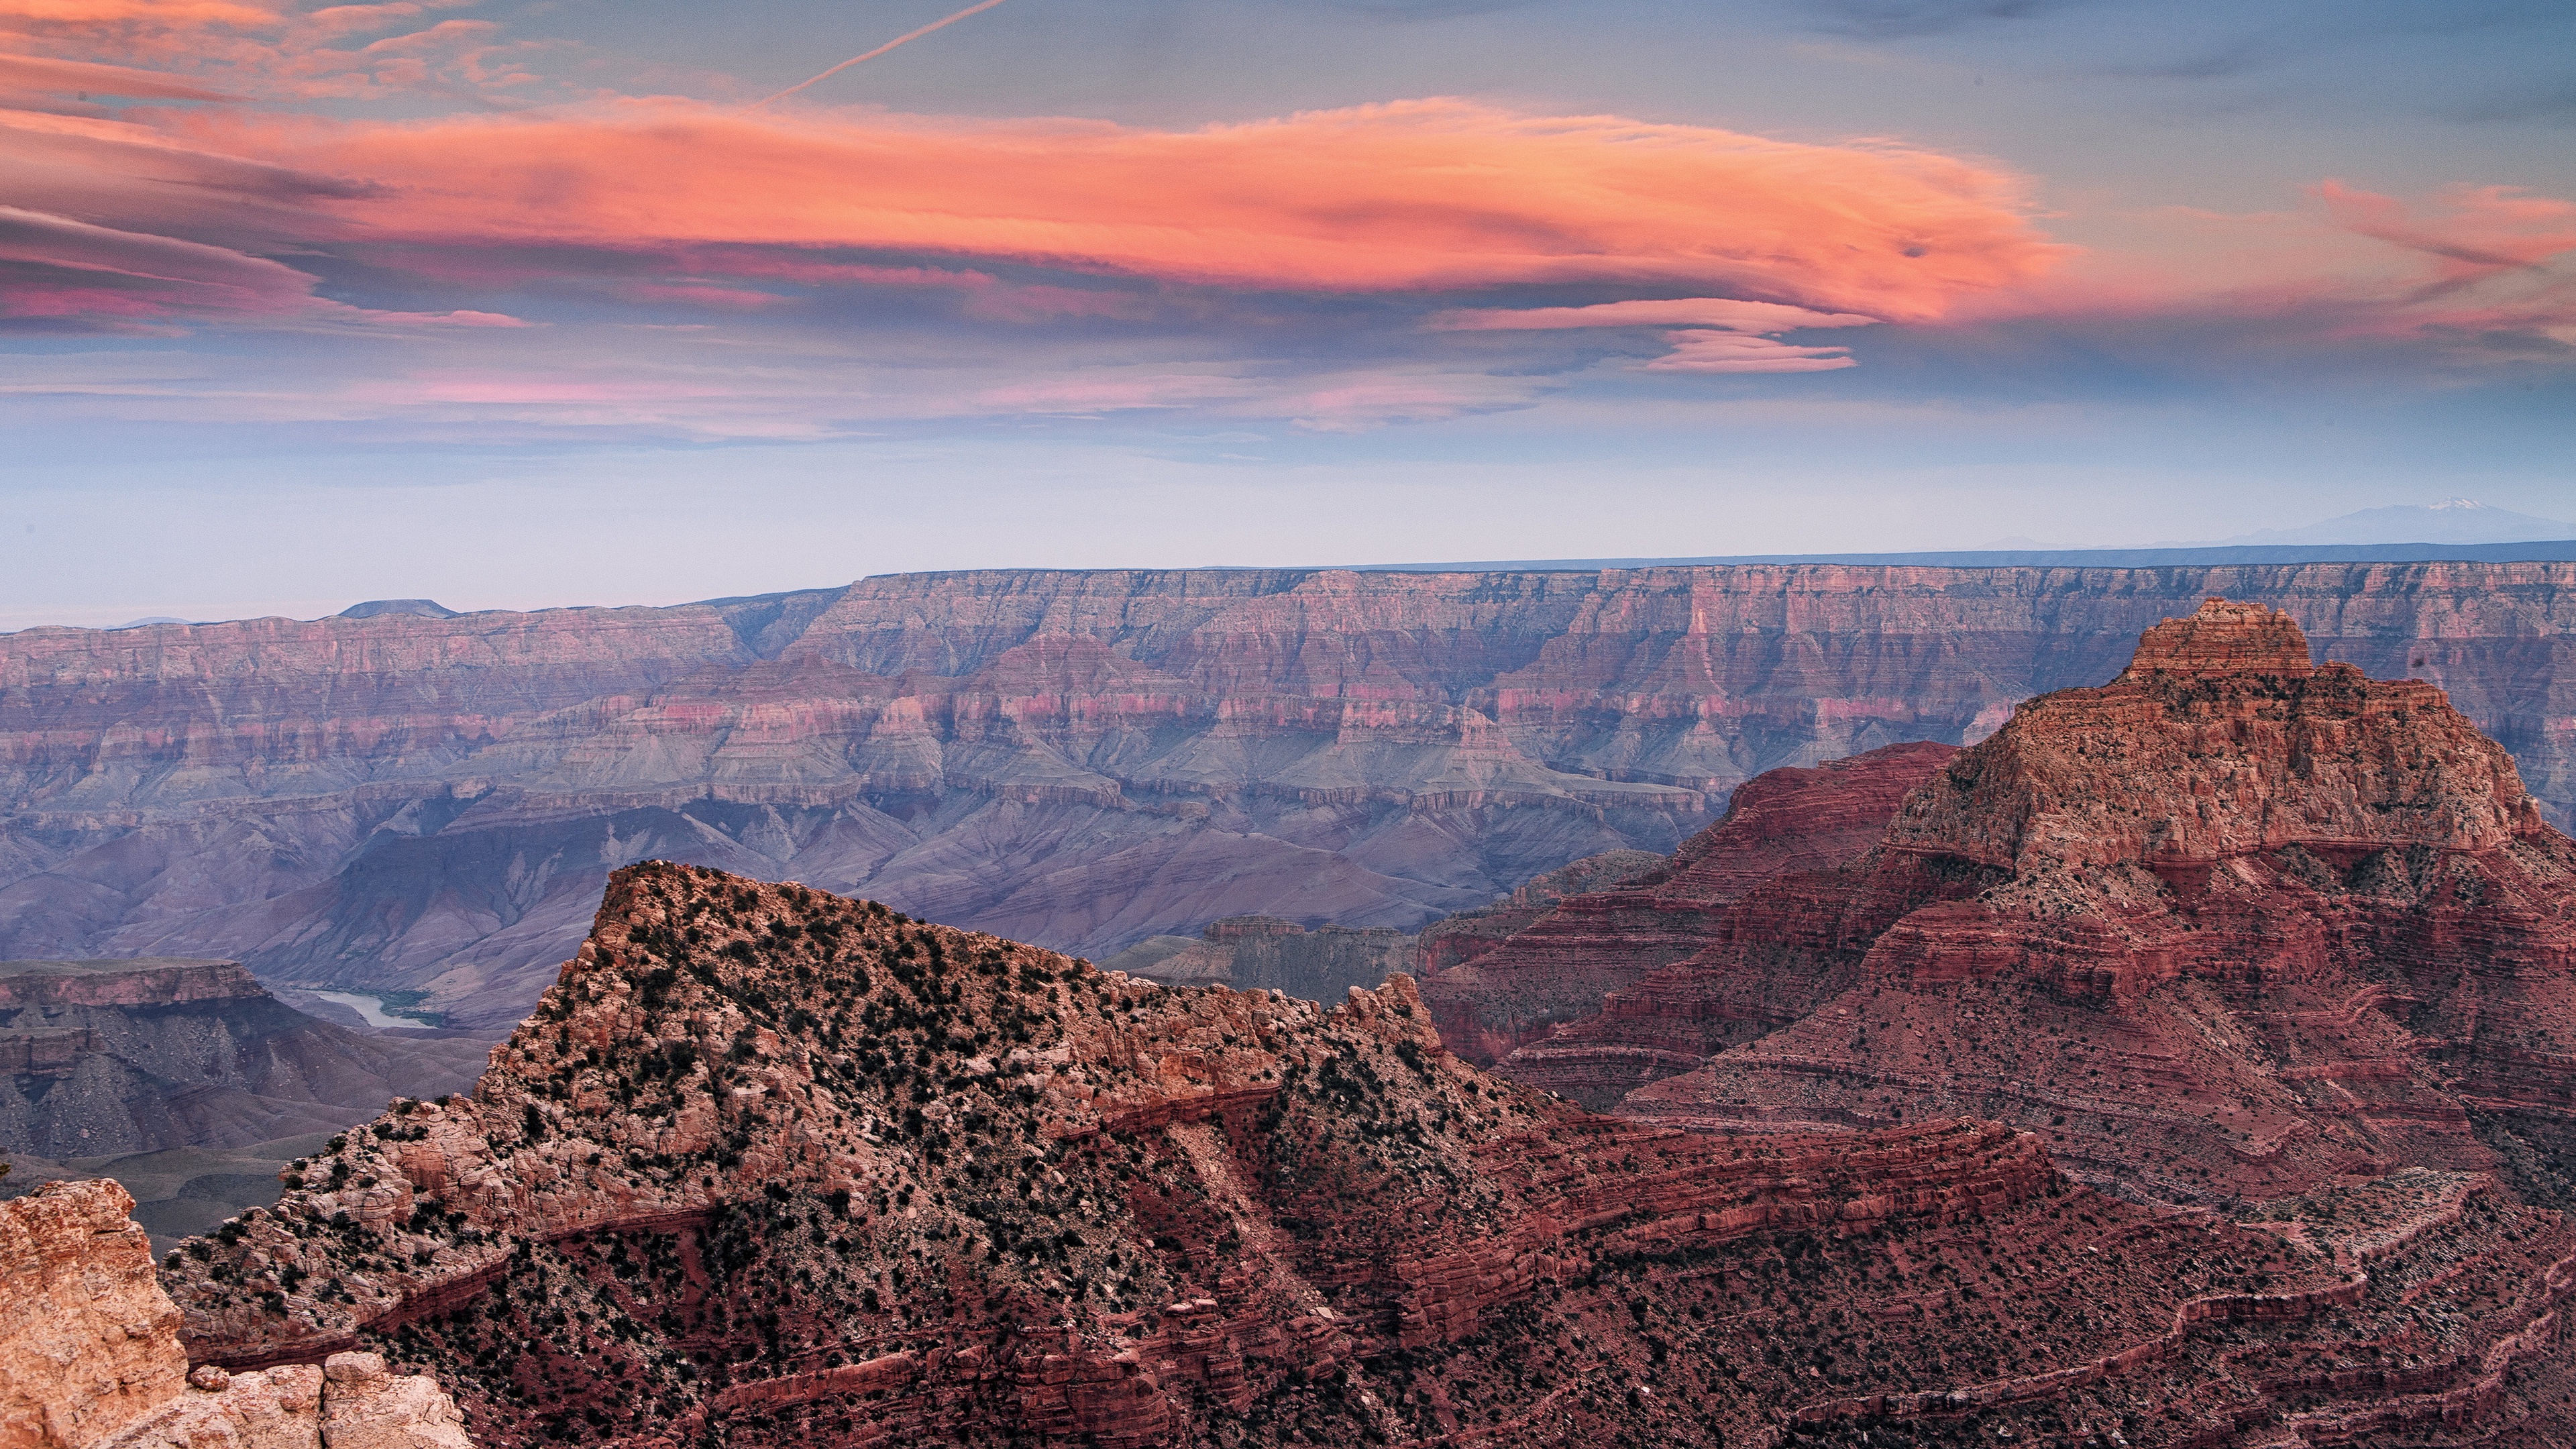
(377,608)
(2456,520)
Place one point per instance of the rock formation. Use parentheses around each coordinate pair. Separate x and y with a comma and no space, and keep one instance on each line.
(1081,759)
(1562,964)
(1468,934)
(90,1356)
(1265,953)
(103,1058)
(771,1167)
(2231,927)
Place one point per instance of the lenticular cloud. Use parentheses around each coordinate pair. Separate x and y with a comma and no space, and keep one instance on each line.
(1421,196)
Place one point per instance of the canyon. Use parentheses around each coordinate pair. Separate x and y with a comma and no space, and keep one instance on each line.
(411,802)
(768,1166)
(188,1081)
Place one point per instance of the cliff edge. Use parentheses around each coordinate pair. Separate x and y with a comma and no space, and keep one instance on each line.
(90,1356)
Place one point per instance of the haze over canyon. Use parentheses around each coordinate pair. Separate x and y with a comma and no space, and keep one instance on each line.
(1080,760)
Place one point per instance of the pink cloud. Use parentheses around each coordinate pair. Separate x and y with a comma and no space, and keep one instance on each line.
(2481,272)
(1732,344)
(1418,195)
(2471,232)
(31,76)
(1721,312)
(55,267)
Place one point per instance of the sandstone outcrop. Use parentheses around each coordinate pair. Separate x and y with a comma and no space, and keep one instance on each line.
(1561,965)
(771,1167)
(2232,927)
(90,1356)
(1080,759)
(88,1341)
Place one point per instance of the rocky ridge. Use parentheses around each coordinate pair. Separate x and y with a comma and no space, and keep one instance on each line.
(1081,759)
(771,1167)
(1558,967)
(90,1356)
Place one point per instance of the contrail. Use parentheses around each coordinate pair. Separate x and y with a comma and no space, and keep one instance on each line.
(873,54)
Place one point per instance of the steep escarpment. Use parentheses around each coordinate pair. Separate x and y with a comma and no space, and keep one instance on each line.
(106,1058)
(1080,759)
(1468,934)
(2232,927)
(1559,967)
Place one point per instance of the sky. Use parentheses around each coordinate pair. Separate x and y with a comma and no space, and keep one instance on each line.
(533,302)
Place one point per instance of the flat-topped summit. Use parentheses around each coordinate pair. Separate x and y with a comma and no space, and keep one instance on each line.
(2224,638)
(132,981)
(2228,927)
(2218,741)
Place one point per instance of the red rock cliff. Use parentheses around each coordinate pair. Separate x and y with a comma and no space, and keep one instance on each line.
(1562,964)
(769,1167)
(89,1354)
(2228,927)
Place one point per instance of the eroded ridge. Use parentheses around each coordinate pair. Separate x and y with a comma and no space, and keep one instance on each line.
(2234,926)
(774,1167)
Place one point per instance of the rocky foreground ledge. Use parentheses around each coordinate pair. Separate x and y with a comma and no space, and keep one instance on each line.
(90,1356)
(772,1167)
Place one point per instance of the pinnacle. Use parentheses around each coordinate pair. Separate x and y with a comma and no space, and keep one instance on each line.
(2223,638)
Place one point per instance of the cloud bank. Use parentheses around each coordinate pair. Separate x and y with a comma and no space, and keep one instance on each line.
(207,168)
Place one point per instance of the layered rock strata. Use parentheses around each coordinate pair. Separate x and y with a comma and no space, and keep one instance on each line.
(1560,966)
(90,1356)
(770,1167)
(1081,759)
(1265,953)
(1459,938)
(106,1058)
(2233,926)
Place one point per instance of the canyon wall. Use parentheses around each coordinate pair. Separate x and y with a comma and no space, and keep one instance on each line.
(102,1059)
(1265,953)
(1083,759)
(2226,928)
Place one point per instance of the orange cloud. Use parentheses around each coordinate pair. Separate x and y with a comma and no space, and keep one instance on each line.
(1426,195)
(97,14)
